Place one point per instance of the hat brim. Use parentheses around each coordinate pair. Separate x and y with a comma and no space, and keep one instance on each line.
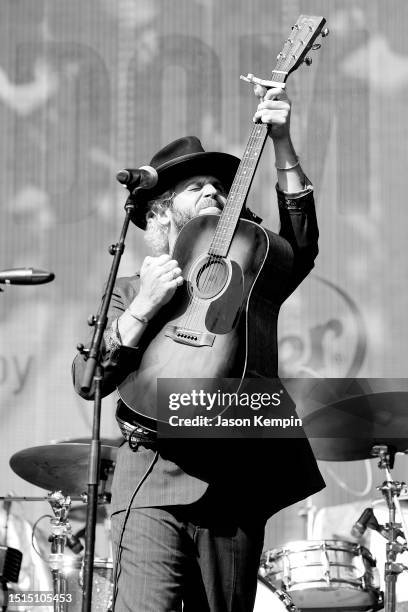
(220,165)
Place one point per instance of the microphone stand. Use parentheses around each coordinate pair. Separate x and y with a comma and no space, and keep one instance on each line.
(94,374)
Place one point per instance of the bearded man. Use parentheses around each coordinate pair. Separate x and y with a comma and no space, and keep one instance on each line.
(188,516)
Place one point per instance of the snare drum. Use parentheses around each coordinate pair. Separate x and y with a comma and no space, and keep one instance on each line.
(324,574)
(269,599)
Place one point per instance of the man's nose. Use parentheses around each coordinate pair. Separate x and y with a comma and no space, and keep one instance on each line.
(209,189)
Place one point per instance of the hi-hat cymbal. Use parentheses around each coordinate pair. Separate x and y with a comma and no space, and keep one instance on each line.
(62,467)
(347,430)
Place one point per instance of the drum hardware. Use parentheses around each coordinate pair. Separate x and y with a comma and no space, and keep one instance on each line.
(374,540)
(391,491)
(59,532)
(63,469)
(64,583)
(270,599)
(307,513)
(25,498)
(380,421)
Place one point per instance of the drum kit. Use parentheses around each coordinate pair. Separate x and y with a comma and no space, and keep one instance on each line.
(62,469)
(310,575)
(337,575)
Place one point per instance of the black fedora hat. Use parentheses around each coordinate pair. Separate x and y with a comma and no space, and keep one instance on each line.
(179,160)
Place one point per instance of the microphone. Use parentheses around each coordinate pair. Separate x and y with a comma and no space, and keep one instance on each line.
(144,177)
(74,543)
(368,519)
(25,276)
(362,522)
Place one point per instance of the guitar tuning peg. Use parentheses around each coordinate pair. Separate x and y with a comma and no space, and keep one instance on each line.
(308,61)
(325,32)
(316,46)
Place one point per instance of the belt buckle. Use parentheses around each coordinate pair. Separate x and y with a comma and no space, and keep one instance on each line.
(137,437)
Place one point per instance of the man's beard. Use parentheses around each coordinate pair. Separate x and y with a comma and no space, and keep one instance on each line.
(181,217)
(156,237)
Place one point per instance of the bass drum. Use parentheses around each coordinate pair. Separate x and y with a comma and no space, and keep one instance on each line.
(269,599)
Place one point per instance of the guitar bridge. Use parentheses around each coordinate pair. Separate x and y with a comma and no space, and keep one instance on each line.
(189,336)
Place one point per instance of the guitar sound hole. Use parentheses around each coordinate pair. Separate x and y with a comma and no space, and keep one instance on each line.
(211,277)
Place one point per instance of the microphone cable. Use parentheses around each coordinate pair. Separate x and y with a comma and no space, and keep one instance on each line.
(122,532)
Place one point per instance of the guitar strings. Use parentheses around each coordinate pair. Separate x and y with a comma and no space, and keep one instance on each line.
(223,235)
(211,271)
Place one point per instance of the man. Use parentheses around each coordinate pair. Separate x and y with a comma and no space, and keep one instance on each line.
(189,515)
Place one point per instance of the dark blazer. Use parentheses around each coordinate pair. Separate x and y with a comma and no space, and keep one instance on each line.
(251,477)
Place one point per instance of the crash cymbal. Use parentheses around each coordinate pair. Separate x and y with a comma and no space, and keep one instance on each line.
(62,466)
(348,429)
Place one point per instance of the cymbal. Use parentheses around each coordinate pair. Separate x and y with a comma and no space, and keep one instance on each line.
(62,466)
(86,440)
(347,430)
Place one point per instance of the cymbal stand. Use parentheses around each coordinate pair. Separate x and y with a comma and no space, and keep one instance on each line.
(391,490)
(60,529)
(307,513)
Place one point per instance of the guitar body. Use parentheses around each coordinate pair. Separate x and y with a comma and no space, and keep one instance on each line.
(203,331)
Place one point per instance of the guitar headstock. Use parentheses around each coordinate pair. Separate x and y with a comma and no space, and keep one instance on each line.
(295,49)
(299,42)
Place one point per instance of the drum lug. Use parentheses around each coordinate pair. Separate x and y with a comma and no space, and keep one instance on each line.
(287,572)
(325,564)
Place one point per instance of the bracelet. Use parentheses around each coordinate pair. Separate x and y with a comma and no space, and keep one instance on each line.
(297,163)
(143,320)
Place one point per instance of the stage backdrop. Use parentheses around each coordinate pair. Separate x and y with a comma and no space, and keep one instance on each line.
(88,87)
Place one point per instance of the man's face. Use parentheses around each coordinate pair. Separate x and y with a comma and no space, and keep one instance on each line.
(196,196)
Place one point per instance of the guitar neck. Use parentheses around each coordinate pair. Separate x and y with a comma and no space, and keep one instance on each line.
(294,50)
(239,191)
(242,182)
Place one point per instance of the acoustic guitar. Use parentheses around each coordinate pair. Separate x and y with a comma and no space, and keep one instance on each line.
(219,324)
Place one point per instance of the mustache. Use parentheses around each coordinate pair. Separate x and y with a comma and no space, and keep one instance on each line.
(210,201)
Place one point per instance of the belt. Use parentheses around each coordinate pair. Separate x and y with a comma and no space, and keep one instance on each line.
(135,434)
